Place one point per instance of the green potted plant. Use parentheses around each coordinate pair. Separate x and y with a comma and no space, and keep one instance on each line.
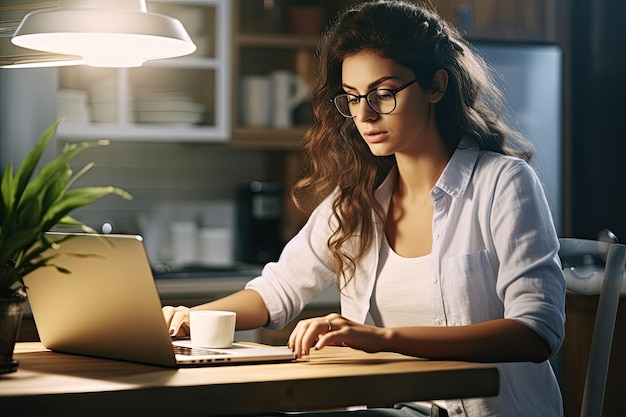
(30,205)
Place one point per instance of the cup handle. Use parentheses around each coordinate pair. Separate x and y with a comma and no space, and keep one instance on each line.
(301,92)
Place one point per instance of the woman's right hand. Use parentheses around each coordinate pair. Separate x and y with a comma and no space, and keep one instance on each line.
(177,320)
(333,329)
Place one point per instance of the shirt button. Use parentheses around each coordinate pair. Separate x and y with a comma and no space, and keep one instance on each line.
(438,321)
(457,408)
(436,236)
(436,191)
(434,280)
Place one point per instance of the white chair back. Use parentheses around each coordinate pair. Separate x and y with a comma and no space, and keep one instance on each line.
(607,283)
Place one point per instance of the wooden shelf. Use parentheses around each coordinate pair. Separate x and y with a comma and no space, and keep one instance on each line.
(250,137)
(140,132)
(276,41)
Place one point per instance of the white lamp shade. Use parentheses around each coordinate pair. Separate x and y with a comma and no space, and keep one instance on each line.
(111,33)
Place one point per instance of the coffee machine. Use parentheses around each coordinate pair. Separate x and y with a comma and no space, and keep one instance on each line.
(259,212)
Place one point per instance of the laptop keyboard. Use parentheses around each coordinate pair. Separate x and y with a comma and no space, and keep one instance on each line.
(191,351)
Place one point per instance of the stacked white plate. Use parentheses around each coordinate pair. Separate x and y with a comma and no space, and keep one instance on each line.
(162,106)
(72,105)
(104,98)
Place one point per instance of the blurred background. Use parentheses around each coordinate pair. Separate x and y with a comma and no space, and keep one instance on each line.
(193,131)
(208,143)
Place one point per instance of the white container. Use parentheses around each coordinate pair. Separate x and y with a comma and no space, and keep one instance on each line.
(215,246)
(184,237)
(256,100)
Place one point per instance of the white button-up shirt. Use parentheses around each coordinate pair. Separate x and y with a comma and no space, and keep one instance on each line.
(494,255)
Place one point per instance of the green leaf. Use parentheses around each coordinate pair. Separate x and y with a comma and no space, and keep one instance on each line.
(79,174)
(70,221)
(76,198)
(58,164)
(29,214)
(7,190)
(55,188)
(30,161)
(17,243)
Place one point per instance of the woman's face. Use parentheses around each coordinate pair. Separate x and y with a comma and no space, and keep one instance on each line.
(407,129)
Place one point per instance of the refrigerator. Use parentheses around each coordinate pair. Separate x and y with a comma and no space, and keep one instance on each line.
(531,77)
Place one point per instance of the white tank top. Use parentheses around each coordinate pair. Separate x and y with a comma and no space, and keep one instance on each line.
(401,295)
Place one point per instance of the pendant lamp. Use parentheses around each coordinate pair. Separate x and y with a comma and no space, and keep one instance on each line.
(104,33)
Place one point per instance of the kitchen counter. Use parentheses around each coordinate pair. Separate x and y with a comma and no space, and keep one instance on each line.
(210,285)
(219,287)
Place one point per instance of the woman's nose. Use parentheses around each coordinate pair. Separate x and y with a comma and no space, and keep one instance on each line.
(365,112)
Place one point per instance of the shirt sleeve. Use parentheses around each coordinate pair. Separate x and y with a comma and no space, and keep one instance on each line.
(530,278)
(301,273)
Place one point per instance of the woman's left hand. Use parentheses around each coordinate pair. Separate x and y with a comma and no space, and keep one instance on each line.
(335,330)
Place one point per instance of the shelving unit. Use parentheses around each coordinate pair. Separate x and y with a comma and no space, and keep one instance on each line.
(264,40)
(260,41)
(183,99)
(514,20)
(263,43)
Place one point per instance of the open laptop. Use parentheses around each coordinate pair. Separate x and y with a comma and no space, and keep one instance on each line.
(108,306)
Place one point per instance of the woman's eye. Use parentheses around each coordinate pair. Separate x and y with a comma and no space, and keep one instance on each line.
(353,100)
(383,95)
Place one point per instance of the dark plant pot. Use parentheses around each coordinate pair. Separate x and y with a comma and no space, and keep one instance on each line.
(11,312)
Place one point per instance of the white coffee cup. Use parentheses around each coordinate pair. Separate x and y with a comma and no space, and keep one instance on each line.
(289,92)
(256,100)
(211,328)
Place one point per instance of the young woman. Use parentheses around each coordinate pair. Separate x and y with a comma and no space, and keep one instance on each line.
(426,216)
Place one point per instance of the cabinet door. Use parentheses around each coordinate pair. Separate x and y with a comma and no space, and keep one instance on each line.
(182,99)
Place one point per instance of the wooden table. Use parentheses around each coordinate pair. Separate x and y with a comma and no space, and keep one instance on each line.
(49,383)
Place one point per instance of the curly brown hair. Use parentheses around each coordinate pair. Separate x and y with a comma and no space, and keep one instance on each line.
(338,160)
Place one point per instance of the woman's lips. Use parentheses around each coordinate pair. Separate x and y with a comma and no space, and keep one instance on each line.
(374,136)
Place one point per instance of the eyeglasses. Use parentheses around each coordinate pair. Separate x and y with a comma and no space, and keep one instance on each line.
(382,101)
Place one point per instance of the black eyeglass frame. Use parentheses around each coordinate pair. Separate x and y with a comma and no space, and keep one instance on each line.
(366,97)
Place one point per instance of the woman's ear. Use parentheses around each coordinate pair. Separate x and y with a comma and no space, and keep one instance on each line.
(439,85)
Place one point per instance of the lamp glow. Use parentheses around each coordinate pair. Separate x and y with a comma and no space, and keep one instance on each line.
(111,33)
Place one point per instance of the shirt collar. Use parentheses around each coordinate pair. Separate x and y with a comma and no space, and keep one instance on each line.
(456,176)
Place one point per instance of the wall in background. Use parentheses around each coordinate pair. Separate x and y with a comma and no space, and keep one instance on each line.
(165,174)
(172,175)
(27,108)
